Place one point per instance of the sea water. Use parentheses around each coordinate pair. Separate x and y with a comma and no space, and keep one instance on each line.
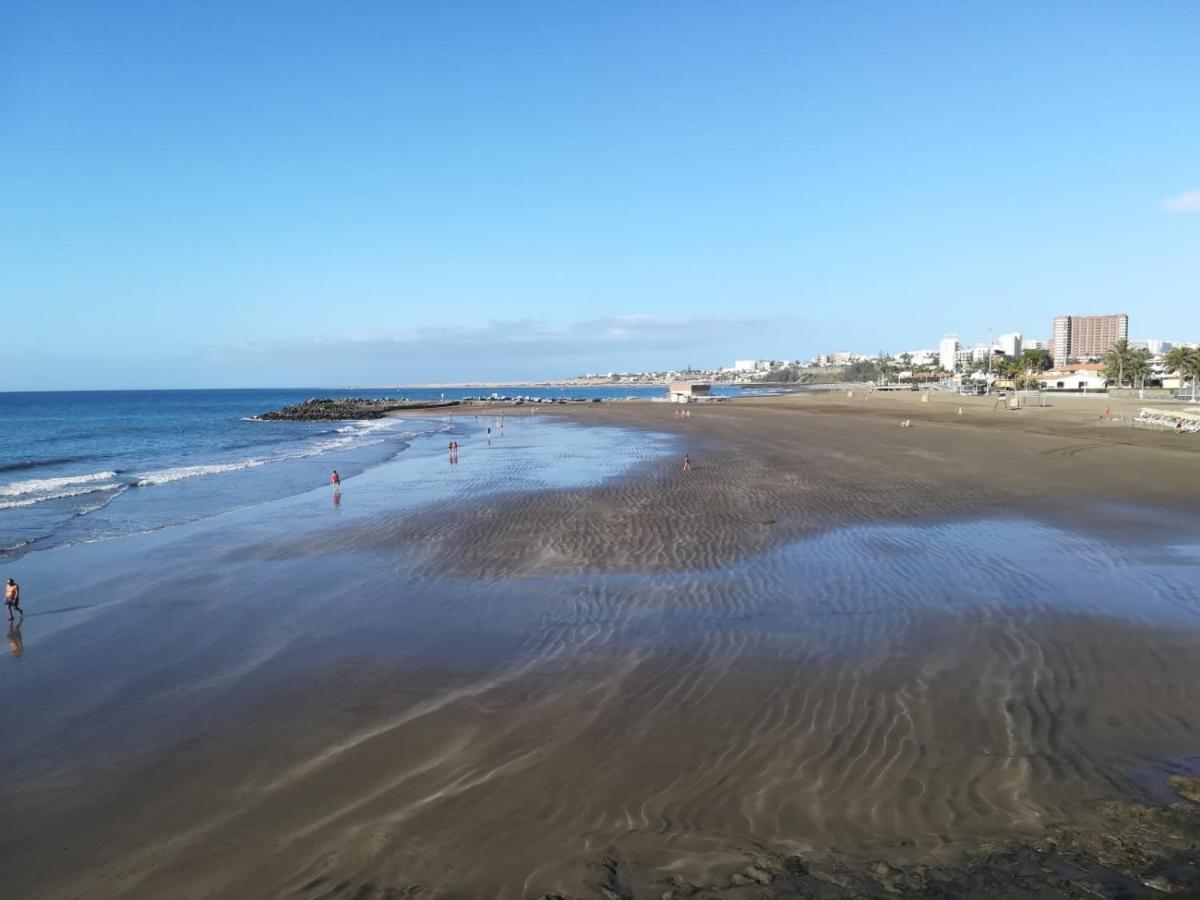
(88,465)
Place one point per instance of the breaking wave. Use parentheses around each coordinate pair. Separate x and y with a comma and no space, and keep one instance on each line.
(111,483)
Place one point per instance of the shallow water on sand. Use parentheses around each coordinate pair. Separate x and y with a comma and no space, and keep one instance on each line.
(281,715)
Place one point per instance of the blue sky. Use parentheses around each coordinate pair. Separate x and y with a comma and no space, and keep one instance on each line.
(225,194)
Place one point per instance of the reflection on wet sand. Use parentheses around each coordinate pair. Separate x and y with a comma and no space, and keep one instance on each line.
(883,690)
(16,645)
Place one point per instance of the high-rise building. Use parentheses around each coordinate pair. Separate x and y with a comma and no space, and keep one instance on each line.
(947,348)
(1087,337)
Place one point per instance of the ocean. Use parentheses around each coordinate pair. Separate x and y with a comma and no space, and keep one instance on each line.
(84,466)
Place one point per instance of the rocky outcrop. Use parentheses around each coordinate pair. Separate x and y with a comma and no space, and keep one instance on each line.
(1127,850)
(328,409)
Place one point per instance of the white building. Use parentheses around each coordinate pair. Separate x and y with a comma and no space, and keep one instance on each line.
(688,391)
(1077,377)
(745,365)
(947,351)
(1154,348)
(923,357)
(1008,344)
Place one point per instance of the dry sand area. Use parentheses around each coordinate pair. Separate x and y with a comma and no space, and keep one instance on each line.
(838,658)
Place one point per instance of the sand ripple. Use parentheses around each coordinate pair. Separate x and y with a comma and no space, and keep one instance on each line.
(888,689)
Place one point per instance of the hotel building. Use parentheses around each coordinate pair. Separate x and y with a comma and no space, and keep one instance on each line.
(1086,337)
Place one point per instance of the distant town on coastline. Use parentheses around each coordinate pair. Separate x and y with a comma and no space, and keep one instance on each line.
(1083,353)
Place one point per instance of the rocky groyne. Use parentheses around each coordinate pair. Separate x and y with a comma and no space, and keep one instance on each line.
(328,409)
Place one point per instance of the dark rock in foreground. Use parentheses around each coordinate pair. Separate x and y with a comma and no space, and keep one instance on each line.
(1129,850)
(327,409)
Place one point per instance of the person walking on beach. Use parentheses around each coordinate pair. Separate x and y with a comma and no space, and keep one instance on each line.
(336,480)
(687,463)
(12,599)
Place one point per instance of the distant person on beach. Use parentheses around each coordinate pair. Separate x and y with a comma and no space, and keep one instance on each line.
(687,463)
(335,479)
(12,599)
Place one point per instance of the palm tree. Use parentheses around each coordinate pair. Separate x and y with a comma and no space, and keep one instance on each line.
(1006,368)
(1118,358)
(887,368)
(1138,368)
(1185,363)
(1036,360)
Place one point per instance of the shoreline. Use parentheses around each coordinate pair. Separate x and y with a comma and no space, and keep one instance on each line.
(834,642)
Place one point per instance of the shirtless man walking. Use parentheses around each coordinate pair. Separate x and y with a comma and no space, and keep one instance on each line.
(12,599)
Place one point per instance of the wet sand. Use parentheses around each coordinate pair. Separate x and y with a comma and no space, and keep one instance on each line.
(835,641)
(773,470)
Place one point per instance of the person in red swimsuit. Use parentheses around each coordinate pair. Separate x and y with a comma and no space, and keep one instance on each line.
(335,479)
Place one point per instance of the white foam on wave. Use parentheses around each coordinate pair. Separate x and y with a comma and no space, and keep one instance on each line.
(350,434)
(166,476)
(21,494)
(103,502)
(58,495)
(51,485)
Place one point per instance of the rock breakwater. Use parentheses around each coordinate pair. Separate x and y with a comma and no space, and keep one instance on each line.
(326,409)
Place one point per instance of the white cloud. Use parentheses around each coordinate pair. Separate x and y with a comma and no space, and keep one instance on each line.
(1187,202)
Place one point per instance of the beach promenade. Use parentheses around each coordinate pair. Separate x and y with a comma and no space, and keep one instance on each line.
(836,658)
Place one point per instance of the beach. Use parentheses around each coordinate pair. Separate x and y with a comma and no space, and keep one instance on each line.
(837,655)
